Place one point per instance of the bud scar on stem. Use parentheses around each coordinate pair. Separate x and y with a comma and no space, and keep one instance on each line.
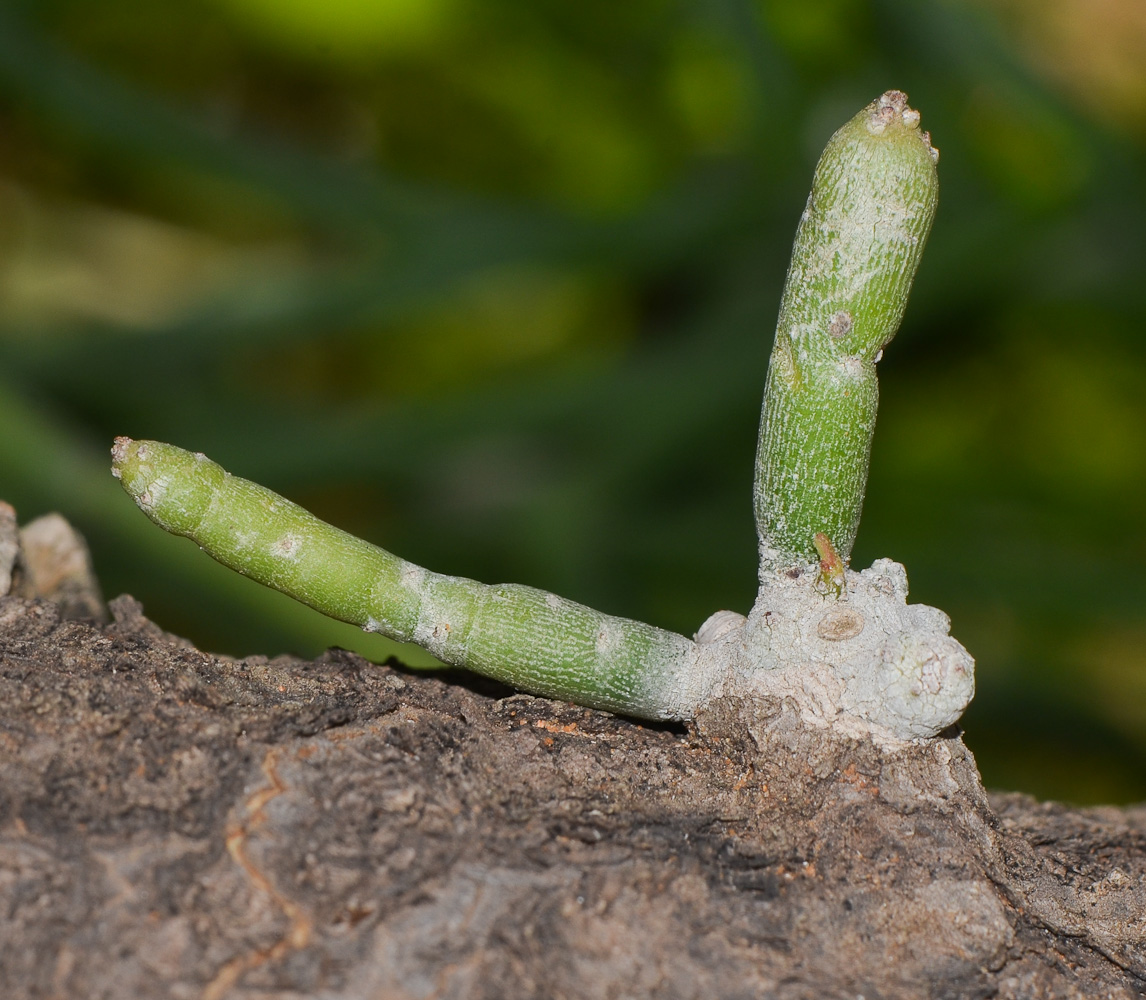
(867,654)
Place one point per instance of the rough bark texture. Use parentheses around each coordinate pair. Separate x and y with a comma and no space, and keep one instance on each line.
(175,824)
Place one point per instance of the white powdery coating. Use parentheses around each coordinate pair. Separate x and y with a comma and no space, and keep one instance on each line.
(609,639)
(433,629)
(150,498)
(869,656)
(288,547)
(412,577)
(686,679)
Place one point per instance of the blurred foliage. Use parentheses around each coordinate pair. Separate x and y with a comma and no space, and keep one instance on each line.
(494,284)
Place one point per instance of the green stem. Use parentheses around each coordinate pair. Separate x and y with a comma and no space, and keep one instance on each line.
(535,641)
(855,255)
(856,252)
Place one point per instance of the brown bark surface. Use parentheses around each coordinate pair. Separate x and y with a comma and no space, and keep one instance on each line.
(180,825)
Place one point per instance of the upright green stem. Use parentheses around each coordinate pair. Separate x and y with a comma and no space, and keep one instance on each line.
(856,252)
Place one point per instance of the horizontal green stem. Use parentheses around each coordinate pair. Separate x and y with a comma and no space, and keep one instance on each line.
(533,640)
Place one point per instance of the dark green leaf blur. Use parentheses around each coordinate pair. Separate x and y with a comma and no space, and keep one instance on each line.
(494,283)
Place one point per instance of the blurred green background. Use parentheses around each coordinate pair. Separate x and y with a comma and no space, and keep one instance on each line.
(494,284)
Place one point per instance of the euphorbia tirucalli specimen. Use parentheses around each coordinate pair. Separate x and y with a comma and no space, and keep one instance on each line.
(844,645)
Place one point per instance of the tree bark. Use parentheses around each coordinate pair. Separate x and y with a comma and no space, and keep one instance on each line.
(176,824)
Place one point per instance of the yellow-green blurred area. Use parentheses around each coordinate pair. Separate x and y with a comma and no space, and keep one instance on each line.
(494,284)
